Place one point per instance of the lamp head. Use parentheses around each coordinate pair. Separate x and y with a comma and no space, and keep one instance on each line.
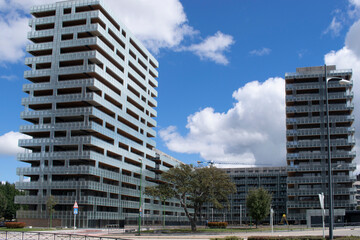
(344,82)
(341,81)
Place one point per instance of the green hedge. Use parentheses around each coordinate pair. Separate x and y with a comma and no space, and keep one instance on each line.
(302,238)
(15,224)
(227,238)
(347,238)
(286,238)
(217,224)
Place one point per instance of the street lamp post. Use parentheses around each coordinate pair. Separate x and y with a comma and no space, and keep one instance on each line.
(330,188)
(212,214)
(240,215)
(139,229)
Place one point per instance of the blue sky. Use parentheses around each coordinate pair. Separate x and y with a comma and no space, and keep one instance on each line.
(222,63)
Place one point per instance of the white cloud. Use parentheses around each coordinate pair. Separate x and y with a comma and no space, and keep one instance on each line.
(157,23)
(14,27)
(12,37)
(355,2)
(21,5)
(9,143)
(349,57)
(213,48)
(251,132)
(334,28)
(260,52)
(354,8)
(8,77)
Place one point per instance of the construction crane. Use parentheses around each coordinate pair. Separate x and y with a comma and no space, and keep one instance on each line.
(212,162)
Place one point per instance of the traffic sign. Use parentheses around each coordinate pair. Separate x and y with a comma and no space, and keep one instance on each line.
(76,211)
(76,205)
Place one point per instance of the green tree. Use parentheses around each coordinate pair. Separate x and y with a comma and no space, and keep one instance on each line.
(195,186)
(258,203)
(162,192)
(50,204)
(8,207)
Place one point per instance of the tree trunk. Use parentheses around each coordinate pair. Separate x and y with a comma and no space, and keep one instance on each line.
(193,225)
(200,217)
(192,220)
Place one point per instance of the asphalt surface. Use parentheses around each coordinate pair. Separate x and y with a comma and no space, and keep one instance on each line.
(349,231)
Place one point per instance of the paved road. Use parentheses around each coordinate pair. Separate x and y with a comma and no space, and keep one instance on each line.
(185,236)
(202,236)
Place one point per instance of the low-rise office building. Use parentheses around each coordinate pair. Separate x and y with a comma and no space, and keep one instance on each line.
(273,179)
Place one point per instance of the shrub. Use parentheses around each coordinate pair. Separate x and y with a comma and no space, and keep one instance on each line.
(217,224)
(348,238)
(228,238)
(286,238)
(15,224)
(301,238)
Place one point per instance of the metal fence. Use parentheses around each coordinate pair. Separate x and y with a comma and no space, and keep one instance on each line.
(6,235)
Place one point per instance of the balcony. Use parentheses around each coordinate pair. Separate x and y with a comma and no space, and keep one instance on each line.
(316,204)
(318,143)
(68,185)
(307,120)
(319,155)
(316,131)
(317,97)
(315,192)
(70,215)
(317,108)
(336,179)
(83,170)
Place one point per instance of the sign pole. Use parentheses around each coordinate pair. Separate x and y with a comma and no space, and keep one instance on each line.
(272,220)
(321,199)
(76,211)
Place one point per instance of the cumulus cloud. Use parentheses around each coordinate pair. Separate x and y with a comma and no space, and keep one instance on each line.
(260,52)
(349,57)
(354,8)
(14,27)
(9,143)
(252,132)
(13,37)
(157,23)
(213,48)
(20,5)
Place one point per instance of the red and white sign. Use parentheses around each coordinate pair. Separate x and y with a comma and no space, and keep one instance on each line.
(76,205)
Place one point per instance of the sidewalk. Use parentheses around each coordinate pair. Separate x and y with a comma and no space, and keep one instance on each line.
(120,233)
(207,236)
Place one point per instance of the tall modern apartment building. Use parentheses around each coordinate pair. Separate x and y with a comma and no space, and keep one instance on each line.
(306,133)
(91,113)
